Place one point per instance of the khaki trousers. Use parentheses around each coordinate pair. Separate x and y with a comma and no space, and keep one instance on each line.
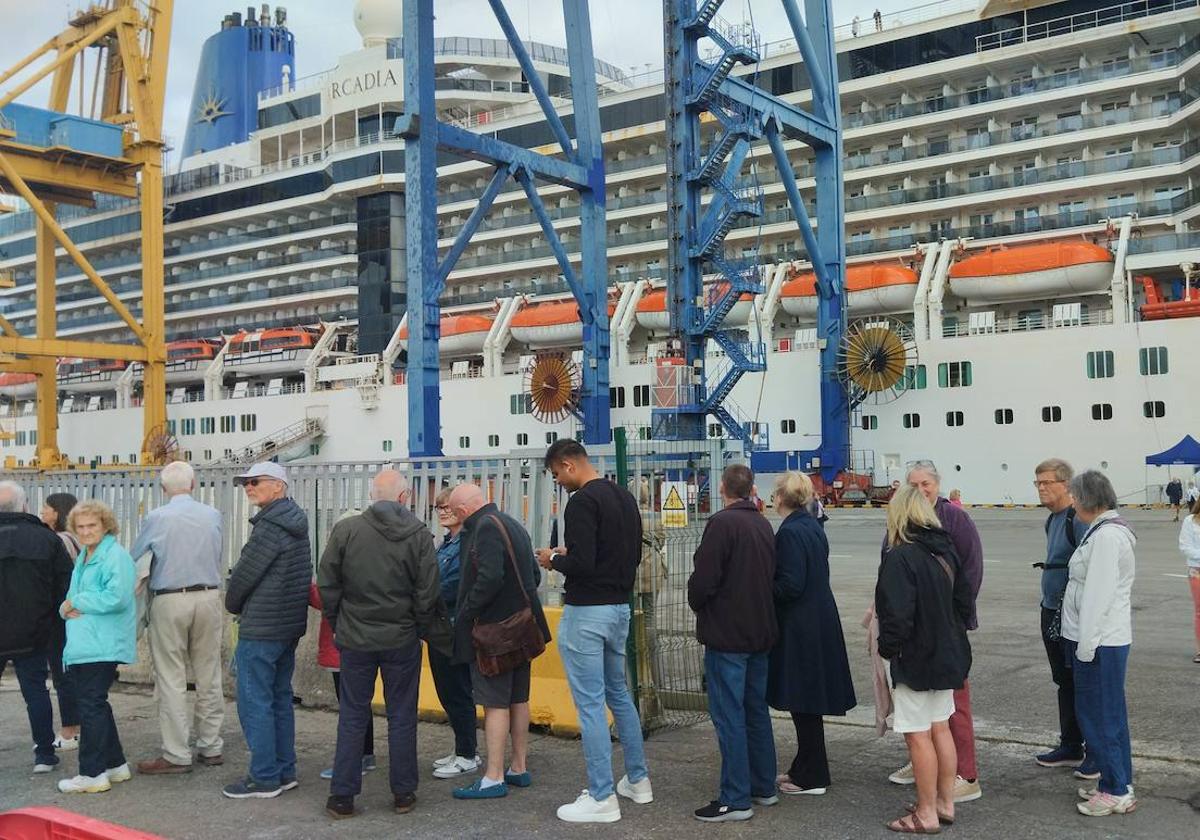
(185,628)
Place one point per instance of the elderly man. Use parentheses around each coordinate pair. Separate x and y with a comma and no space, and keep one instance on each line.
(499,579)
(184,538)
(268,591)
(35,573)
(379,591)
(924,476)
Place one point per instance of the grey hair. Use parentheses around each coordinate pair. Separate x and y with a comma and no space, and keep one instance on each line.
(177,477)
(389,485)
(12,497)
(1093,492)
(926,466)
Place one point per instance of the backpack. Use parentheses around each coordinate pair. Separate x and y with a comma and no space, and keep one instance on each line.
(1072,540)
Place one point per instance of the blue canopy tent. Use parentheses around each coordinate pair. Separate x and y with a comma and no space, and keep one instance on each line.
(1184,453)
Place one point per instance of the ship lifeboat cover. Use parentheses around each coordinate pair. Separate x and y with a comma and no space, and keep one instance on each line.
(550,324)
(1033,271)
(870,290)
(460,334)
(652,310)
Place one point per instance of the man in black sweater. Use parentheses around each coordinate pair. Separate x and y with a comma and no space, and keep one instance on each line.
(603,533)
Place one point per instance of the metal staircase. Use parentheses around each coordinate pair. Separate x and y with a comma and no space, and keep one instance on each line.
(274,445)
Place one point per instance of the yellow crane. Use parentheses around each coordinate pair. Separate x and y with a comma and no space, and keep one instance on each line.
(131,39)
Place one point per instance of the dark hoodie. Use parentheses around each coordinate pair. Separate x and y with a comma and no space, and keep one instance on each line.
(379,579)
(268,588)
(923,614)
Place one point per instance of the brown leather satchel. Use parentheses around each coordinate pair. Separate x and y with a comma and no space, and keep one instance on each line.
(503,646)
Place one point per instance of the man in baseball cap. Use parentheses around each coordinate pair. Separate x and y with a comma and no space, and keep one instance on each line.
(265,469)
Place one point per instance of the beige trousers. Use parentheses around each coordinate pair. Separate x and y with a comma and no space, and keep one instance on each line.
(185,628)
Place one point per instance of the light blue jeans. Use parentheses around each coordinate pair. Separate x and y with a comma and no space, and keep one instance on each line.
(591,643)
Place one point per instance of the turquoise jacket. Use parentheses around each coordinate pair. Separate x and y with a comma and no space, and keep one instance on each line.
(102,590)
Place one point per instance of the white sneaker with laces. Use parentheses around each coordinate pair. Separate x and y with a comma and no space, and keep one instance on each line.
(457,767)
(119,774)
(588,810)
(444,760)
(85,784)
(64,744)
(639,792)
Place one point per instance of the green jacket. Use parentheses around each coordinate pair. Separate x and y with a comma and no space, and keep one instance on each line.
(102,591)
(378,580)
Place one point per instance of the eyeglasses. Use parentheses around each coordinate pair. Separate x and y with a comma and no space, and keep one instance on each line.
(1041,484)
(442,508)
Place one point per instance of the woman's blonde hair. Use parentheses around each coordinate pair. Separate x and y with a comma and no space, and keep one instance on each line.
(955,494)
(443,497)
(96,508)
(908,509)
(793,490)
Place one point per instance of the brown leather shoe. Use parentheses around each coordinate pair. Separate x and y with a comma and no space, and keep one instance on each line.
(161,767)
(211,760)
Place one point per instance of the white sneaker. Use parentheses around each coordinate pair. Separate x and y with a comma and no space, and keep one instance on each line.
(639,792)
(64,744)
(44,768)
(85,784)
(444,760)
(588,810)
(903,776)
(118,774)
(457,767)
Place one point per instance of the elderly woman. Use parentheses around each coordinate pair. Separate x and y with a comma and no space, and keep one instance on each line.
(453,681)
(101,618)
(923,603)
(1097,630)
(809,674)
(54,513)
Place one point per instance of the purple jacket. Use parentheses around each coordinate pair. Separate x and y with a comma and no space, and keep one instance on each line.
(967,546)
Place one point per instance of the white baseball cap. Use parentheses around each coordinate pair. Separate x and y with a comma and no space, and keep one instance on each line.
(264,469)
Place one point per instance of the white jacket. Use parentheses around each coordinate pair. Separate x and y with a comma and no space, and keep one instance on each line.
(1096,606)
(1189,541)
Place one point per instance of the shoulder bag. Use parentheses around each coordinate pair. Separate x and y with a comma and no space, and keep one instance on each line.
(503,646)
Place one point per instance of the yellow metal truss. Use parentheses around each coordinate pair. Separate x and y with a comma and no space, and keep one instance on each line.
(136,36)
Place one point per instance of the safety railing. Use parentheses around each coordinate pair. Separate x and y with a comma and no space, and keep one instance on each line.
(1080,22)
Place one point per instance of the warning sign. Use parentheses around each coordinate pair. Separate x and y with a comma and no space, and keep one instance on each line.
(674,509)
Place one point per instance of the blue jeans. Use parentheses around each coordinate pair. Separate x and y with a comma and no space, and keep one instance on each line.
(1103,718)
(591,643)
(737,702)
(401,673)
(31,676)
(264,704)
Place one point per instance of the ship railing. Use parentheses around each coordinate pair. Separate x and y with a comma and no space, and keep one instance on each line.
(263,390)
(1080,22)
(1028,323)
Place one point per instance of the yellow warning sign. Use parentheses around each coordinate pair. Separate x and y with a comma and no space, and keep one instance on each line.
(674,509)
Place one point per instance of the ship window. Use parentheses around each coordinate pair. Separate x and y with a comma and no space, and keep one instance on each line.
(1152,360)
(171,427)
(787,427)
(208,425)
(870,422)
(464,442)
(493,440)
(520,404)
(20,438)
(228,423)
(954,375)
(116,459)
(187,426)
(616,397)
(551,437)
(207,454)
(912,421)
(522,439)
(1101,411)
(643,433)
(1004,416)
(187,454)
(33,437)
(1051,414)
(914,379)
(387,446)
(249,422)
(1154,408)
(641,395)
(133,459)
(1100,364)
(954,418)
(714,430)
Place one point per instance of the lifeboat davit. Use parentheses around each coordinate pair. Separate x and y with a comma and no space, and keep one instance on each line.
(870,290)
(550,324)
(1033,271)
(18,386)
(461,335)
(280,350)
(652,311)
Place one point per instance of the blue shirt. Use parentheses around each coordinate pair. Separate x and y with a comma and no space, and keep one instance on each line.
(1058,552)
(186,539)
(450,570)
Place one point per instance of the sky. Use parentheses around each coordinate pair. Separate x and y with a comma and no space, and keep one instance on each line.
(626,33)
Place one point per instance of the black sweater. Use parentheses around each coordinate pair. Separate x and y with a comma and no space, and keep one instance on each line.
(922,614)
(35,573)
(604,545)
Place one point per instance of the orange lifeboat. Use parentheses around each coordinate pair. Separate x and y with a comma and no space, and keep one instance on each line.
(1033,271)
(18,386)
(277,350)
(1157,309)
(870,290)
(83,375)
(652,310)
(192,350)
(461,335)
(554,324)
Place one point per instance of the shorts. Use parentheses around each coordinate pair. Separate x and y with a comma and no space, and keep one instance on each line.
(502,690)
(917,711)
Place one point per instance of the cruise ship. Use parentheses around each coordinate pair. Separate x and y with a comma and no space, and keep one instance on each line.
(1021,208)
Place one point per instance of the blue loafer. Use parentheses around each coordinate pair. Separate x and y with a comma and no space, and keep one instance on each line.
(476,792)
(518,779)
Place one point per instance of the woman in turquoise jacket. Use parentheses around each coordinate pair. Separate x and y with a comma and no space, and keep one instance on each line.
(101,618)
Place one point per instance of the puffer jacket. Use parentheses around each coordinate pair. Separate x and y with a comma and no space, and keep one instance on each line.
(102,591)
(268,588)
(35,572)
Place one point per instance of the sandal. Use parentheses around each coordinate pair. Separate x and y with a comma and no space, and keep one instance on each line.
(911,807)
(908,825)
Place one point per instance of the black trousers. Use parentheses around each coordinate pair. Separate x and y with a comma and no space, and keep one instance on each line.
(99,745)
(1070,737)
(369,738)
(453,684)
(810,768)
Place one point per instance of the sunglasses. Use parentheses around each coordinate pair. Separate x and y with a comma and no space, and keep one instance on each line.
(254,482)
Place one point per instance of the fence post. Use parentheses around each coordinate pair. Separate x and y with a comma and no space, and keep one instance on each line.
(621,457)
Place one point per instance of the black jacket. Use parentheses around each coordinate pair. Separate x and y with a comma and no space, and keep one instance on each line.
(35,573)
(922,614)
(604,545)
(268,587)
(730,589)
(379,579)
(488,591)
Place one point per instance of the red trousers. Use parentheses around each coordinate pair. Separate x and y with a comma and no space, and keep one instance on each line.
(962,728)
